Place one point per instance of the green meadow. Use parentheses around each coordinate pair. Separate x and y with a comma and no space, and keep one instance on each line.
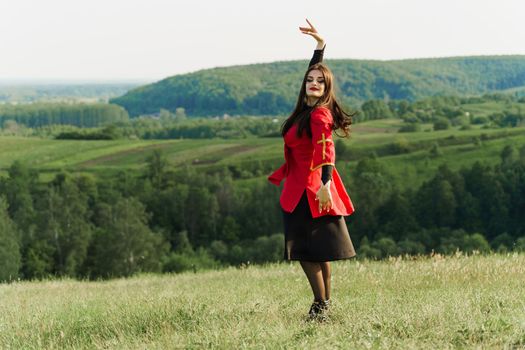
(103,158)
(431,302)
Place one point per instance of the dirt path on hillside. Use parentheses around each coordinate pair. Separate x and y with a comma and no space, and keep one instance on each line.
(114,156)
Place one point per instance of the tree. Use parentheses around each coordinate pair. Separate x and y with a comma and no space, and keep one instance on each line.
(201,214)
(410,127)
(10,259)
(400,145)
(507,154)
(435,151)
(520,244)
(64,222)
(395,217)
(168,210)
(124,244)
(230,229)
(219,250)
(522,153)
(477,142)
(156,168)
(402,107)
(110,132)
(462,241)
(166,115)
(441,124)
(376,109)
(180,113)
(475,242)
(18,192)
(485,185)
(257,211)
(514,186)
(371,186)
(407,246)
(83,115)
(452,241)
(367,251)
(182,244)
(267,248)
(502,243)
(340,148)
(435,203)
(198,260)
(11,127)
(387,246)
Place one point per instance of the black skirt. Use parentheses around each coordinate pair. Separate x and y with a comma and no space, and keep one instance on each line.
(325,238)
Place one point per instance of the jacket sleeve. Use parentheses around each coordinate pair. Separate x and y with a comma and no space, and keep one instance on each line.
(277,176)
(321,123)
(280,174)
(317,57)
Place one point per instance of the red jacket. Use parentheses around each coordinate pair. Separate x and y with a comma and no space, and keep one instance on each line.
(304,158)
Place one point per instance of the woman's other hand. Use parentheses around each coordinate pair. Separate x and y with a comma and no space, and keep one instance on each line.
(314,33)
(324,197)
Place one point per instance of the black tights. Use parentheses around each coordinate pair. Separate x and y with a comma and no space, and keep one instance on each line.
(319,276)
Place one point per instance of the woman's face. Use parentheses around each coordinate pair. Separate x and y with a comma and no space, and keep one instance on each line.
(315,85)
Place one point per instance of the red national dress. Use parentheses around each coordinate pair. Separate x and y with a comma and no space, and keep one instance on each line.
(304,158)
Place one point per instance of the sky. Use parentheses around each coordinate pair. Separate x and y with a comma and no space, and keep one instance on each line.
(148,40)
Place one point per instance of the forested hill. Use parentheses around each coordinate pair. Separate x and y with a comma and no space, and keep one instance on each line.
(14,92)
(272,88)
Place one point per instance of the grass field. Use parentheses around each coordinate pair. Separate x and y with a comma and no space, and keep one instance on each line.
(425,303)
(106,157)
(487,108)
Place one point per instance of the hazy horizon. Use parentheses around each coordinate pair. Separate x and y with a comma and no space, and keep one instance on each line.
(146,41)
(81,81)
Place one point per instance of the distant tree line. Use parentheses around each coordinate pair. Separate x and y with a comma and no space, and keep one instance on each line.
(110,132)
(171,220)
(68,122)
(442,112)
(81,115)
(60,92)
(446,111)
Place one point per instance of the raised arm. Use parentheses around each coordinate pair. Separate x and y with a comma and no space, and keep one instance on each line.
(319,49)
(317,57)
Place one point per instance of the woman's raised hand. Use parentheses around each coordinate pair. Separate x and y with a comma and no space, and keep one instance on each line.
(314,33)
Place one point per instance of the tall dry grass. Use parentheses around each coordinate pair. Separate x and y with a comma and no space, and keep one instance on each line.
(430,302)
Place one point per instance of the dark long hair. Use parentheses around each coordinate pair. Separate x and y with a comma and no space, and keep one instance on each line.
(301,113)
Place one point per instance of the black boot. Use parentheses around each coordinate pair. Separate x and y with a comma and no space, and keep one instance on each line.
(325,305)
(318,310)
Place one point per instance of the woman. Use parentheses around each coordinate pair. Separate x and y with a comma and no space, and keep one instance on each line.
(314,199)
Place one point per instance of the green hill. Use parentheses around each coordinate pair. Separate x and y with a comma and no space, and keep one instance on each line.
(61,91)
(271,88)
